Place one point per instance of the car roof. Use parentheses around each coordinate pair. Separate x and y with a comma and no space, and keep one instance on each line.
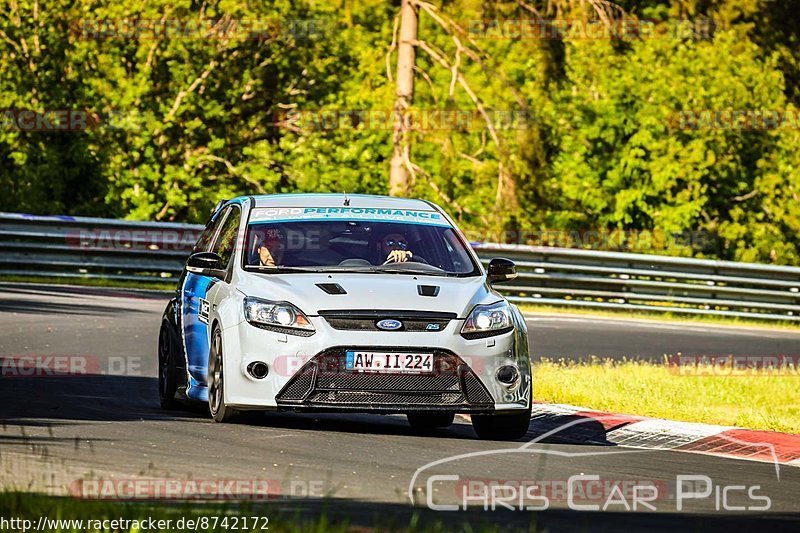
(338,199)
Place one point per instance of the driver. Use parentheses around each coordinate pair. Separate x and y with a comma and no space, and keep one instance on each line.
(270,248)
(394,246)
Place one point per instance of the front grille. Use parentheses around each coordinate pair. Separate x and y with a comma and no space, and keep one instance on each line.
(354,398)
(367,320)
(324,383)
(394,382)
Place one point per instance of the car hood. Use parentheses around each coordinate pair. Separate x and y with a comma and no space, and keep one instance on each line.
(370,291)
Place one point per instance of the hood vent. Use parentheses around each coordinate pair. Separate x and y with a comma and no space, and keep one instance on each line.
(428,290)
(332,288)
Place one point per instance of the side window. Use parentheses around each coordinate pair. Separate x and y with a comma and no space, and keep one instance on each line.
(225,244)
(458,257)
(204,241)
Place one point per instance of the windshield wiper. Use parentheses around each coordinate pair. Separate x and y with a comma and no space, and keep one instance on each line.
(321,269)
(351,270)
(414,271)
(277,269)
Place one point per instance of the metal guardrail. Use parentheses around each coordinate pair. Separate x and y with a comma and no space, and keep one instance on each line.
(79,247)
(93,248)
(612,280)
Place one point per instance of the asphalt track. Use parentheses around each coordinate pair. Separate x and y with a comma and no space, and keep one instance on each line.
(107,425)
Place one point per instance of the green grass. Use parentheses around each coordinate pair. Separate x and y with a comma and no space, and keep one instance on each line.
(765,402)
(662,316)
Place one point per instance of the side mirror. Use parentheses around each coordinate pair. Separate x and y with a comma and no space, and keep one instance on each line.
(501,270)
(206,264)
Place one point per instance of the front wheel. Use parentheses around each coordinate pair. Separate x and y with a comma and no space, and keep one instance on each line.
(216,382)
(428,421)
(502,426)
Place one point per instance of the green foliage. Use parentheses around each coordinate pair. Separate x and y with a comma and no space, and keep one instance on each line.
(596,138)
(625,160)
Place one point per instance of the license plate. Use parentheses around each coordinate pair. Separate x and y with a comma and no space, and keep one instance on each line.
(409,363)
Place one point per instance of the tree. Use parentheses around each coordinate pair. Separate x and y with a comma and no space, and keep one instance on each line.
(553,133)
(399,175)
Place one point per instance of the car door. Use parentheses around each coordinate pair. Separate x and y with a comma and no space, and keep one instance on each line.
(226,245)
(195,308)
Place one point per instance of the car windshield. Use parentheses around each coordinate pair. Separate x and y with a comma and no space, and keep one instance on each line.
(355,244)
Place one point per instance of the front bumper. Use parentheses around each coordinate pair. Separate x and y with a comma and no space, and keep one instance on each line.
(325,384)
(308,373)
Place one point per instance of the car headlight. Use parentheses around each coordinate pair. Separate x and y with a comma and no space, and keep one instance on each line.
(488,320)
(276,315)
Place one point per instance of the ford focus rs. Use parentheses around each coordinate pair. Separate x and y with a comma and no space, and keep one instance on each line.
(313,302)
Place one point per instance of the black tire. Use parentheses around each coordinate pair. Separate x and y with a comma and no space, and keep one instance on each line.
(167,370)
(428,421)
(503,426)
(216,382)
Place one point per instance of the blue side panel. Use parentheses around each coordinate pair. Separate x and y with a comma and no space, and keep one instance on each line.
(195,333)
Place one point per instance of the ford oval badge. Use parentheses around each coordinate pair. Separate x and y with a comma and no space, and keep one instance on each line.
(389,324)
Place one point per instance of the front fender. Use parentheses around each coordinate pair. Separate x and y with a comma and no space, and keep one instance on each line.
(228,314)
(522,351)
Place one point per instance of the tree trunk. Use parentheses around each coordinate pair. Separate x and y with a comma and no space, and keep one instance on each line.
(399,177)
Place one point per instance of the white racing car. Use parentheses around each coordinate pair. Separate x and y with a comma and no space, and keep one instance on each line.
(323,302)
